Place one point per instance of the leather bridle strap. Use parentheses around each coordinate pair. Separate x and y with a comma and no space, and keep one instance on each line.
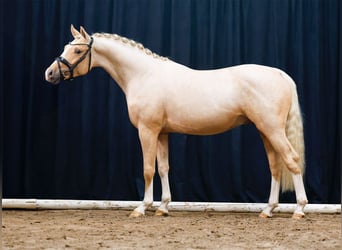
(70,66)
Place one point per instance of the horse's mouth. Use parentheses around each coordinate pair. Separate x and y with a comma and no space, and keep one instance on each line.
(53,80)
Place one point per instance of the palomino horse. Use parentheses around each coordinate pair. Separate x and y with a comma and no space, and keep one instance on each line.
(165,97)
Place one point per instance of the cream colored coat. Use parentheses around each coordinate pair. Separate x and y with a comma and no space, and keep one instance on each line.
(164,96)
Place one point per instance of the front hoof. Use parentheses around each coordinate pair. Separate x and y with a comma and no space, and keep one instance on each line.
(135,214)
(297,216)
(161,213)
(264,216)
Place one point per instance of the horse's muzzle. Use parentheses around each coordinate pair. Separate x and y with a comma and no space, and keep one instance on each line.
(52,75)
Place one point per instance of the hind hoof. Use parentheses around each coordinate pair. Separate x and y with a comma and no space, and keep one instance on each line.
(264,216)
(297,216)
(161,213)
(135,214)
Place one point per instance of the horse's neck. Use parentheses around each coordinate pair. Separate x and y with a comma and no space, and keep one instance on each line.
(123,62)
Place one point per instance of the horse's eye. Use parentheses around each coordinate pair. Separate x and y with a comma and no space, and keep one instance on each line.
(78,51)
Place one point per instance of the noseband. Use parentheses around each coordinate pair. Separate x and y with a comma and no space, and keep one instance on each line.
(70,66)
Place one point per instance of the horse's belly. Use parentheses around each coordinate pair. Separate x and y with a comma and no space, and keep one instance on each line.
(203,109)
(202,124)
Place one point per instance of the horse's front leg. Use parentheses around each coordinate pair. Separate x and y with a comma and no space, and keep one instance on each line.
(163,170)
(148,139)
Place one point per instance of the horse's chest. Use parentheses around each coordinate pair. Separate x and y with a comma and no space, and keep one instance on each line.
(133,112)
(144,110)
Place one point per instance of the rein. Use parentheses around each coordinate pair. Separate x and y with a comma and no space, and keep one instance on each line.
(70,66)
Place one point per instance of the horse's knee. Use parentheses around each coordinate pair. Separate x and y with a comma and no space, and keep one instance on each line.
(163,170)
(148,175)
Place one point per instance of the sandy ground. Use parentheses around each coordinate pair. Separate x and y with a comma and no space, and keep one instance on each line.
(112,229)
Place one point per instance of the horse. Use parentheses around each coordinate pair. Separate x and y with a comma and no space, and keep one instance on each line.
(166,97)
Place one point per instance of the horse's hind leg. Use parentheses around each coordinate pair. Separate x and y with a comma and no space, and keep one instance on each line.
(300,195)
(291,159)
(163,170)
(275,167)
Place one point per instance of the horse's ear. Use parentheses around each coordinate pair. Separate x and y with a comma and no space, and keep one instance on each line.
(84,33)
(74,32)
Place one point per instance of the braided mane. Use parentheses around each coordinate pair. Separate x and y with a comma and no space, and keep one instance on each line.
(131,43)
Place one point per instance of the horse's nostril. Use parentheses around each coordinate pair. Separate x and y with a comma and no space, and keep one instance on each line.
(50,72)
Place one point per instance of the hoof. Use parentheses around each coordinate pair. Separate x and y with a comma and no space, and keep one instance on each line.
(264,216)
(161,213)
(135,214)
(297,216)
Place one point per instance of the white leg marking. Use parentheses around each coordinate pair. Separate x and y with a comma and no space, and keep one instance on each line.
(148,200)
(273,200)
(300,194)
(166,194)
(163,170)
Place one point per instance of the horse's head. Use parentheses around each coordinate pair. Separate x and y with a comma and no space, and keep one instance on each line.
(75,59)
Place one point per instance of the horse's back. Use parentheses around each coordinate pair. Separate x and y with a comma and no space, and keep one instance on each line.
(260,75)
(231,87)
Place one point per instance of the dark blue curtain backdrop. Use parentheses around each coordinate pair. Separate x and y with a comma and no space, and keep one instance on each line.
(75,140)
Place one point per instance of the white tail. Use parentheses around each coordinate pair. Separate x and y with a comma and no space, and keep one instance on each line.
(295,134)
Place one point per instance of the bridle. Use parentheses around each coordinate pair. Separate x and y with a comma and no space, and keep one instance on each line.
(70,66)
